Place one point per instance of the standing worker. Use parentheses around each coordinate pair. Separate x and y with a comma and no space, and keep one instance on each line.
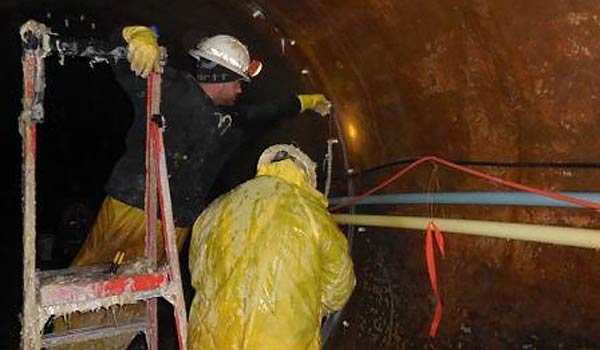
(268,261)
(199,137)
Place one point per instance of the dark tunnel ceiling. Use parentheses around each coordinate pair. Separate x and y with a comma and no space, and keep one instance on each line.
(481,80)
(504,81)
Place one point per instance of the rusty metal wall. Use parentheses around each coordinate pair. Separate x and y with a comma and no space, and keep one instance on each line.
(476,80)
(479,79)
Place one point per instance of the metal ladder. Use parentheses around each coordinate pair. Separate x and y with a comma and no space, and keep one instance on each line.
(61,292)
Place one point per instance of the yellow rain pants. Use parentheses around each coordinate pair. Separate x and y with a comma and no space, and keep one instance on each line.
(118,226)
(267,262)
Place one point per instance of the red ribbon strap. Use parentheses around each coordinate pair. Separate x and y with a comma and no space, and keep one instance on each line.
(433,230)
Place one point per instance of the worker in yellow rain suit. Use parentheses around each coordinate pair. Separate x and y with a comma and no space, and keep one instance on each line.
(268,261)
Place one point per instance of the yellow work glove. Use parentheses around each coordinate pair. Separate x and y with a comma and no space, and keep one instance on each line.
(143,52)
(315,102)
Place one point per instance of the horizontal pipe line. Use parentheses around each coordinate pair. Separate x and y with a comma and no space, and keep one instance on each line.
(566,236)
(482,198)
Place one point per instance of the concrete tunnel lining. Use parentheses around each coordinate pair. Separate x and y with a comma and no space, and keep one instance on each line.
(505,81)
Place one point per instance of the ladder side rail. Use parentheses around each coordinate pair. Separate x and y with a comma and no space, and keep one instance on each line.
(33,113)
(168,228)
(150,210)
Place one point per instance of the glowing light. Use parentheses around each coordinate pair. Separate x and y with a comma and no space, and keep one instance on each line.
(351,131)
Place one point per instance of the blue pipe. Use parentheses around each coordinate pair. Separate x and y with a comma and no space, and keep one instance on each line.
(484,198)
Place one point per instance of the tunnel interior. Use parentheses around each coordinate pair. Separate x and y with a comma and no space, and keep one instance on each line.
(507,88)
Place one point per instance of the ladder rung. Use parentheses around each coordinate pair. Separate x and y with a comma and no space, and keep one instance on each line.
(92,333)
(69,290)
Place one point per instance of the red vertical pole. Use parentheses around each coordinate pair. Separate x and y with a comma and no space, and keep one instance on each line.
(157,180)
(33,66)
(168,225)
(151,202)
(170,244)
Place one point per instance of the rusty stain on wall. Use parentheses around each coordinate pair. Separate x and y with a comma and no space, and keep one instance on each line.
(474,80)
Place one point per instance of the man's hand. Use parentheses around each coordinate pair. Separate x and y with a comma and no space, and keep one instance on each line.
(315,102)
(143,51)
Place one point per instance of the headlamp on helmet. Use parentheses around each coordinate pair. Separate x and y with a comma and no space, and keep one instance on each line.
(223,58)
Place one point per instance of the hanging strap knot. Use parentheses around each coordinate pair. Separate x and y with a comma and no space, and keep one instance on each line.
(431,232)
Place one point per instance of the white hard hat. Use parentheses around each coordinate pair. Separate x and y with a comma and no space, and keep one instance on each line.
(226,51)
(283,151)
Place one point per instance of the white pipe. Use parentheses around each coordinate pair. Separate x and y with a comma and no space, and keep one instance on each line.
(568,236)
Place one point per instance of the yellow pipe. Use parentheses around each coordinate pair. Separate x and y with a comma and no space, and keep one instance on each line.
(568,236)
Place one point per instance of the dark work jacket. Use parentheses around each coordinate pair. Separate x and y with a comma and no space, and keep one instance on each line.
(198,139)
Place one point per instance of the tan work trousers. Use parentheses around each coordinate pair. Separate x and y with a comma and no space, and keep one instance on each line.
(118,226)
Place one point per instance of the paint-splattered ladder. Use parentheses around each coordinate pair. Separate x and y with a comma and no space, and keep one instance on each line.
(52,293)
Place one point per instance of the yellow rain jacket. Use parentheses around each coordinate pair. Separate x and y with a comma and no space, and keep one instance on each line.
(267,262)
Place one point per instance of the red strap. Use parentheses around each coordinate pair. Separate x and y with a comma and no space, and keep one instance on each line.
(432,230)
(554,195)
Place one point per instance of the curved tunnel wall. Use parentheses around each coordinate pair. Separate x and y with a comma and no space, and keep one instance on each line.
(502,80)
(475,80)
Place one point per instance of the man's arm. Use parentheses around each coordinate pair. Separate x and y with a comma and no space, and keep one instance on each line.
(268,113)
(203,227)
(337,270)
